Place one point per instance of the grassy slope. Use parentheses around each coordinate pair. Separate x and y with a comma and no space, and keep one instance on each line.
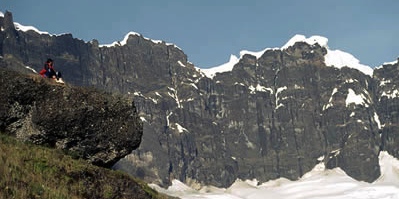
(30,171)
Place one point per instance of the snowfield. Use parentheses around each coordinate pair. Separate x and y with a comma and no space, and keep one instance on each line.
(318,183)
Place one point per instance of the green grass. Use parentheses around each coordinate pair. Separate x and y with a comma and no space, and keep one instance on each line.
(31,171)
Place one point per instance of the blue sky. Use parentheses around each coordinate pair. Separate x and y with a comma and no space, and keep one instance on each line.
(208,31)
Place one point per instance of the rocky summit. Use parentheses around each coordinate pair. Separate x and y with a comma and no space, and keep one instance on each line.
(271,116)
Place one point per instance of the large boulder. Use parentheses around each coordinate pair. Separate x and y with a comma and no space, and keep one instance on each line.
(87,123)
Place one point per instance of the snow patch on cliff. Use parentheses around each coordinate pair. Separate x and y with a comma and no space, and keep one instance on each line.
(23,28)
(341,59)
(359,99)
(211,72)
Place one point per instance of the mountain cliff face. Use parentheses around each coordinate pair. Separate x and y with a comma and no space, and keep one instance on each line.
(272,116)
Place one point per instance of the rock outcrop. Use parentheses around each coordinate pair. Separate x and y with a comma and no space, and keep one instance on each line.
(272,116)
(87,123)
(387,94)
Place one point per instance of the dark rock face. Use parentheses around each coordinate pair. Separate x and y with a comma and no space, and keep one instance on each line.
(89,124)
(274,116)
(387,96)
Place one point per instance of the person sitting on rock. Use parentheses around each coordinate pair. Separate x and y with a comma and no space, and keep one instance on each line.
(48,71)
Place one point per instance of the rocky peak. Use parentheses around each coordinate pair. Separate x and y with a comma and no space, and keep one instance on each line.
(7,22)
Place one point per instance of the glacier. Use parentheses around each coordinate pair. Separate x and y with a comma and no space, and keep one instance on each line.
(318,183)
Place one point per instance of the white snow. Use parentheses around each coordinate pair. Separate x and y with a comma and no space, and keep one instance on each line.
(259,88)
(193,85)
(180,128)
(124,41)
(322,41)
(377,120)
(30,68)
(167,119)
(173,94)
(138,93)
(1,14)
(155,101)
(242,84)
(143,119)
(388,63)
(354,98)
(351,80)
(279,90)
(330,104)
(256,54)
(334,58)
(228,66)
(120,43)
(181,63)
(211,72)
(383,82)
(391,94)
(23,28)
(316,184)
(340,59)
(389,170)
(296,86)
(391,63)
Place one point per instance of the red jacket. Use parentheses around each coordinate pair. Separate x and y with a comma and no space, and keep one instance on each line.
(47,68)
